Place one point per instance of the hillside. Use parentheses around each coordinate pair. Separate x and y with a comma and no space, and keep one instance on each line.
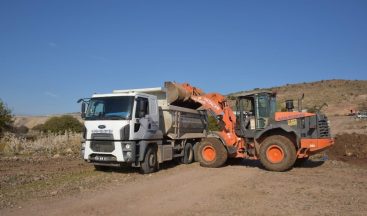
(341,96)
(31,121)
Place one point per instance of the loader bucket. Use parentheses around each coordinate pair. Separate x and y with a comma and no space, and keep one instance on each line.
(180,94)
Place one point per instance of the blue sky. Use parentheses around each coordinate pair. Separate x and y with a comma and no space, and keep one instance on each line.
(54,52)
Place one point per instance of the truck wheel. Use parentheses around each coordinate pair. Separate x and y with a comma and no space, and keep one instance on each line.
(150,163)
(196,152)
(212,153)
(188,154)
(277,153)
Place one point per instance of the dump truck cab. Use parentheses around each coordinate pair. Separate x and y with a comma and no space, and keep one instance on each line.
(115,122)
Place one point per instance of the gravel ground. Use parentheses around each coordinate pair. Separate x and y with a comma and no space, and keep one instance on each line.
(46,186)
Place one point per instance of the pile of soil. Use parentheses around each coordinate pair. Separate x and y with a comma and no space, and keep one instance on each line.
(349,147)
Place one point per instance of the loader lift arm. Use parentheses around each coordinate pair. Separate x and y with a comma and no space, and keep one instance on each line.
(217,106)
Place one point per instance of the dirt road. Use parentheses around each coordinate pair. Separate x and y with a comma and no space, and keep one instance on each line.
(243,188)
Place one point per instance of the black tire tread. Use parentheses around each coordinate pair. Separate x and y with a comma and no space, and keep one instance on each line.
(289,151)
(221,153)
(144,166)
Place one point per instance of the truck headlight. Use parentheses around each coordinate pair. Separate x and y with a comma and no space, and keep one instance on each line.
(128,146)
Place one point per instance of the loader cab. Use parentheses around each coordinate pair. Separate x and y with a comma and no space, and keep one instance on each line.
(254,112)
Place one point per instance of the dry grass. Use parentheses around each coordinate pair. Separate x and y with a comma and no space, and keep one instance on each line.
(43,144)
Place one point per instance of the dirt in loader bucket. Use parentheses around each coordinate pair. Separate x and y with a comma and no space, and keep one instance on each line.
(351,148)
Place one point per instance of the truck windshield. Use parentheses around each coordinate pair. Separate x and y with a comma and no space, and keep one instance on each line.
(110,108)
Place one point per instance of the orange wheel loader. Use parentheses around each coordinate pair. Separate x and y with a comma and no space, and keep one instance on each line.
(255,130)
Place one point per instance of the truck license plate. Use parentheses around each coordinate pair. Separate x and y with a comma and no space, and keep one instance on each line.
(100,158)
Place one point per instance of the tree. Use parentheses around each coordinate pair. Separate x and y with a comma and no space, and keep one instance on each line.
(60,125)
(6,117)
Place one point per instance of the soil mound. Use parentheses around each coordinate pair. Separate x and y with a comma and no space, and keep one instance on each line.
(349,147)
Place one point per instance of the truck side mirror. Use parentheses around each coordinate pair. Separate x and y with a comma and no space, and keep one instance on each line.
(83,110)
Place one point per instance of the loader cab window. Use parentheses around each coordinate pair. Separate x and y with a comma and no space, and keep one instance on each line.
(142,107)
(264,110)
(244,113)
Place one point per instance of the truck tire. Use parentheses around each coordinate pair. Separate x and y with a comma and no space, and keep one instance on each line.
(212,153)
(196,152)
(277,153)
(150,162)
(188,154)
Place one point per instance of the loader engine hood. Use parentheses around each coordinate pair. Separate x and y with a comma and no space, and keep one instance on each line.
(281,116)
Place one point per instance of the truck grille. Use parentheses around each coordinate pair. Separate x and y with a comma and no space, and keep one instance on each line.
(102,146)
(323,127)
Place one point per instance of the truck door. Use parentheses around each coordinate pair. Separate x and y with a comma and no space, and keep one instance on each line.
(141,120)
(146,119)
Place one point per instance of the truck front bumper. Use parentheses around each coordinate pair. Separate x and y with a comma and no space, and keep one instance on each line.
(120,152)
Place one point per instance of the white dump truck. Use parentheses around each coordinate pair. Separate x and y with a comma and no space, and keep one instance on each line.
(140,128)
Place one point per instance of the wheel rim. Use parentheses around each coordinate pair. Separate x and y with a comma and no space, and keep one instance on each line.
(275,154)
(209,153)
(151,160)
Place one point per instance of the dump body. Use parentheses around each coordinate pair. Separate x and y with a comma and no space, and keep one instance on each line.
(182,123)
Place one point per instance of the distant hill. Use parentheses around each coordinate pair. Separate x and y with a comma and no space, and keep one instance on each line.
(341,96)
(31,121)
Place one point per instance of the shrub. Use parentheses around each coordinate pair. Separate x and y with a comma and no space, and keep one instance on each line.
(21,129)
(213,124)
(6,118)
(60,125)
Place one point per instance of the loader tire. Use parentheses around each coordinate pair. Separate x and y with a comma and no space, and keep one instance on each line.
(150,162)
(277,153)
(188,154)
(212,153)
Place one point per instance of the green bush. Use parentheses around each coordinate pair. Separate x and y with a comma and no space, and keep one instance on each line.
(20,130)
(213,124)
(60,125)
(6,117)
